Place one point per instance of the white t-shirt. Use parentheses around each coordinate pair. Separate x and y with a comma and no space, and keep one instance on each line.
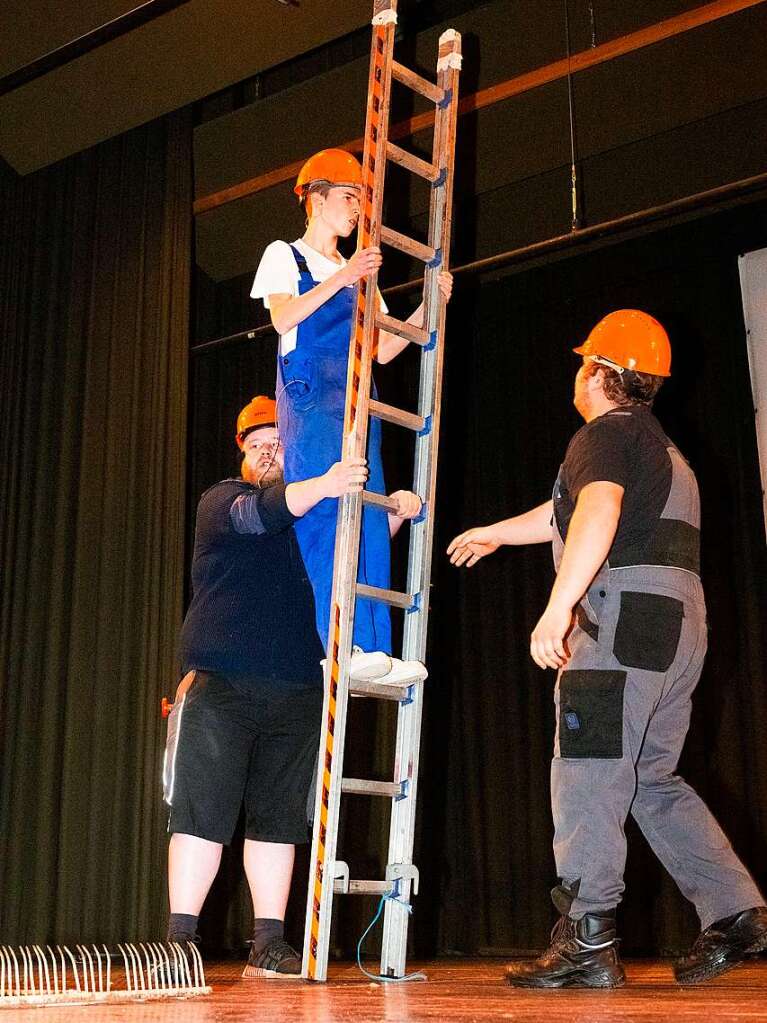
(278,274)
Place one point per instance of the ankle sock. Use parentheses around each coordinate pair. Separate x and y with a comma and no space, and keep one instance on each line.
(182,925)
(265,930)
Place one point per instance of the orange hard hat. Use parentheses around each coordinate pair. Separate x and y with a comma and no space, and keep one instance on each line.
(631,339)
(334,166)
(261,411)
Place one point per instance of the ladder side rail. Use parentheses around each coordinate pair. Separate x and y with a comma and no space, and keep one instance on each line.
(409,717)
(430,387)
(330,765)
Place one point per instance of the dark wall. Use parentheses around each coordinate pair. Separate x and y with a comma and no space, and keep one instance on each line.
(483,846)
(671,119)
(179,54)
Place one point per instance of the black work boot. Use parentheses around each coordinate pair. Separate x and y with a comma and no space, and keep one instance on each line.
(583,953)
(723,945)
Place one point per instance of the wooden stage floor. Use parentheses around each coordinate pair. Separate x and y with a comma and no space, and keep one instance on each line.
(459,990)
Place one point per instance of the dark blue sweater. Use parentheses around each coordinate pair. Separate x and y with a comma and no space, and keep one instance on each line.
(252,610)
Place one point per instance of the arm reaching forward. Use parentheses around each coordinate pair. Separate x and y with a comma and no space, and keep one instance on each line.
(346,477)
(533,526)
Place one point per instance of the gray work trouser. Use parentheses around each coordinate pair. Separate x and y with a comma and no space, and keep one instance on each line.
(623,710)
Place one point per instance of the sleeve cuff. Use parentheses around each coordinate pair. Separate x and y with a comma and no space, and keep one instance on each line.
(273,509)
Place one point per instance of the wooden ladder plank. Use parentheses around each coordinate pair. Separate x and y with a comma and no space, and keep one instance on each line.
(364,787)
(407,245)
(391,597)
(412,162)
(414,81)
(398,416)
(403,329)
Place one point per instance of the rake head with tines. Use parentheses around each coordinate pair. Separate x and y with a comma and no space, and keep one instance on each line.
(33,975)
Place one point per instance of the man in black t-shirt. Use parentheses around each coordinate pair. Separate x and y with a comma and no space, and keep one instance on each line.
(244,727)
(625,627)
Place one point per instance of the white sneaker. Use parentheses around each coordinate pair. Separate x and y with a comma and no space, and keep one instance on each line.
(402,672)
(368,667)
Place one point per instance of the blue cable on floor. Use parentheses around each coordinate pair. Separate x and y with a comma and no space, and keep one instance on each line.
(392,897)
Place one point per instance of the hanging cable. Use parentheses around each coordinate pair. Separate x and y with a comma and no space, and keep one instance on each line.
(576,218)
(392,896)
(593,24)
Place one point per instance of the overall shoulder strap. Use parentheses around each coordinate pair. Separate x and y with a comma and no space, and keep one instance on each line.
(301,262)
(643,416)
(654,427)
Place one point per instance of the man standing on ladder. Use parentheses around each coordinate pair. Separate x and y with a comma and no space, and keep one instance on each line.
(626,628)
(310,292)
(246,721)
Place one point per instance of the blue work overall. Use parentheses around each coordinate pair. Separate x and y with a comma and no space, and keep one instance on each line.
(311,392)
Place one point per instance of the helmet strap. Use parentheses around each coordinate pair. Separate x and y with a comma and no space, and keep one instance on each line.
(610,365)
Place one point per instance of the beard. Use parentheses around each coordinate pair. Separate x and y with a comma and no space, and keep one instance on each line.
(263,476)
(582,404)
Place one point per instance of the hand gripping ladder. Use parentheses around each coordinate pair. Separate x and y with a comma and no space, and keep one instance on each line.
(329,876)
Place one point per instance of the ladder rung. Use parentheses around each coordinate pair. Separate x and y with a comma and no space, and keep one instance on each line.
(422,86)
(385,596)
(364,887)
(412,162)
(363,787)
(403,329)
(396,415)
(379,500)
(379,691)
(408,245)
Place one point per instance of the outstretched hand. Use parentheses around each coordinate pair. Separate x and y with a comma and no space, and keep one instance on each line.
(469,547)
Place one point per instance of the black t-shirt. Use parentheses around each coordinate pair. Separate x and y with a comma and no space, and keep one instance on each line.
(252,609)
(626,446)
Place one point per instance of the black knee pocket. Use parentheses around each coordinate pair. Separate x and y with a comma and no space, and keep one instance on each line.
(648,630)
(591,714)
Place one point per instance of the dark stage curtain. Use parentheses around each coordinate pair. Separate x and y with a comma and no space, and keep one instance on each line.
(94,312)
(484,833)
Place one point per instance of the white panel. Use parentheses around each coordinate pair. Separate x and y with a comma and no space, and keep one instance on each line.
(753,284)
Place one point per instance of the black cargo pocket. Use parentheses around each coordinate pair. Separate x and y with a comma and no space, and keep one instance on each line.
(591,714)
(648,630)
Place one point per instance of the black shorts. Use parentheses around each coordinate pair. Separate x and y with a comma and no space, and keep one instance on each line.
(231,743)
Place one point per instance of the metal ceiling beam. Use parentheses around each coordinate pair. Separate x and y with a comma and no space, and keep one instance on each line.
(65,54)
(526,256)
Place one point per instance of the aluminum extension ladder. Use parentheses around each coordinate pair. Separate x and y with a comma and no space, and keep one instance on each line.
(328,875)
